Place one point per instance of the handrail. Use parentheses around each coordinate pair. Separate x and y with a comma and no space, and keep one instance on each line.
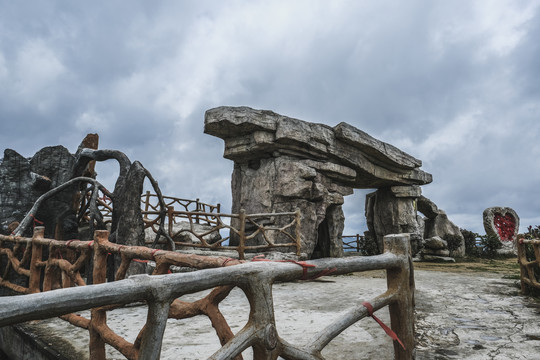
(161,292)
(355,244)
(529,268)
(286,235)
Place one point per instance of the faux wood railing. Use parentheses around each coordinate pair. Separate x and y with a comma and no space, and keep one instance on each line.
(529,268)
(286,235)
(353,242)
(161,292)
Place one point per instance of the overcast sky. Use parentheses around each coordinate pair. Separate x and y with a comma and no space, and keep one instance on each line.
(453,83)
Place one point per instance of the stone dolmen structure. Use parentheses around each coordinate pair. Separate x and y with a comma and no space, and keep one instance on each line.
(282,164)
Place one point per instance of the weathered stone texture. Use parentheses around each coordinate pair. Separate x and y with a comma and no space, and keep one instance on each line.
(23,180)
(283,164)
(502,222)
(437,225)
(251,134)
(392,210)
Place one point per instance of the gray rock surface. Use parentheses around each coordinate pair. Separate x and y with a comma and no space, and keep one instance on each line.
(23,181)
(362,160)
(392,211)
(437,224)
(436,243)
(503,223)
(283,164)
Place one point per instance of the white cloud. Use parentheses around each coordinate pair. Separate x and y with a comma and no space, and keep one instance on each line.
(452,136)
(3,68)
(37,72)
(92,122)
(503,23)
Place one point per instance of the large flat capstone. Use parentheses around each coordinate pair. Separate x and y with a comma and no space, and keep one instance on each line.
(344,149)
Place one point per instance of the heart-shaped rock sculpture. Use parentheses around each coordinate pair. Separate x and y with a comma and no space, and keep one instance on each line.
(502,222)
(505,225)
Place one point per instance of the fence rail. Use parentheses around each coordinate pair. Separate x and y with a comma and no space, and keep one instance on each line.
(23,256)
(529,267)
(268,231)
(353,242)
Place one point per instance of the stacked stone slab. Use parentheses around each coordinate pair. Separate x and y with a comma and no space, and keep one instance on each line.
(282,164)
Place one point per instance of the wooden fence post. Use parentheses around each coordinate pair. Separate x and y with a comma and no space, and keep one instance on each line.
(242,234)
(147,204)
(198,209)
(170,217)
(37,250)
(98,317)
(522,259)
(297,232)
(402,310)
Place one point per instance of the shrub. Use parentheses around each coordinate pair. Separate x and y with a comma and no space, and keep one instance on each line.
(490,244)
(471,240)
(453,241)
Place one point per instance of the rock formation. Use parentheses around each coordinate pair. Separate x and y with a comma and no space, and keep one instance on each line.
(23,181)
(392,210)
(438,227)
(502,222)
(282,164)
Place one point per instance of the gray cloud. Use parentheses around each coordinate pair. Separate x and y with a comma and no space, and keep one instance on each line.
(452,83)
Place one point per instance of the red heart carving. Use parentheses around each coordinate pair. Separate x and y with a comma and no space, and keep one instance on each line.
(505,225)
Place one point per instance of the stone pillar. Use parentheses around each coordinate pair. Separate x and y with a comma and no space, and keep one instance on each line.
(392,210)
(285,184)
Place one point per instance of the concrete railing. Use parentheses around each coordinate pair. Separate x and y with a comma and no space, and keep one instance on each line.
(529,268)
(161,293)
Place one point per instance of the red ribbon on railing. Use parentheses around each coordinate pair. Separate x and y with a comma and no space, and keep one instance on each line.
(226,261)
(36,221)
(386,329)
(304,266)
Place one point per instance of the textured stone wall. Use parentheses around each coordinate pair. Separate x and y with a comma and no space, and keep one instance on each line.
(23,180)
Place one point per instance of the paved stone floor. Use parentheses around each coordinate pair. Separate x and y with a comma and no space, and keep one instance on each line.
(459,316)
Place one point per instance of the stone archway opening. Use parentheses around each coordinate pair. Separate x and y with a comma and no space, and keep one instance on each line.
(322,246)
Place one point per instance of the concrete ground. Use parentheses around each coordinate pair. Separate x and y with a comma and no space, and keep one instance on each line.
(460,315)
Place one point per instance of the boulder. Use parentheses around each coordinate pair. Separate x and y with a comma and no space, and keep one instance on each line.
(435,243)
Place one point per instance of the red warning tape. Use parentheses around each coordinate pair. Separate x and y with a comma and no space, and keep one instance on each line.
(386,329)
(304,266)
